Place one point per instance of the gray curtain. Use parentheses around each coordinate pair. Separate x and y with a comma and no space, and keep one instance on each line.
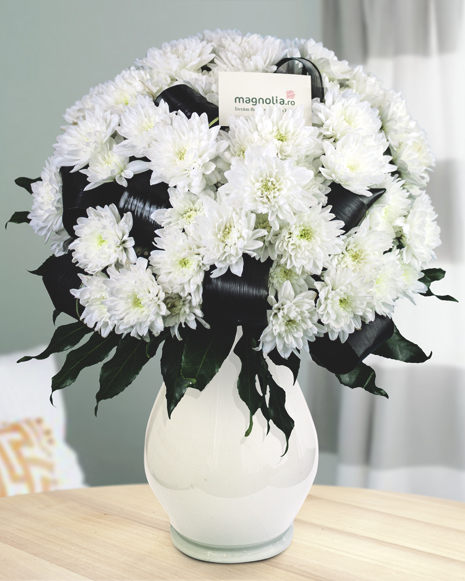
(415,441)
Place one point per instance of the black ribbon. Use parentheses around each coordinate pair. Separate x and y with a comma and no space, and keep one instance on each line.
(76,200)
(142,199)
(340,357)
(308,68)
(186,99)
(60,277)
(349,207)
(238,300)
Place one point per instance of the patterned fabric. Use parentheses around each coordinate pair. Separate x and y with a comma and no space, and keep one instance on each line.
(26,457)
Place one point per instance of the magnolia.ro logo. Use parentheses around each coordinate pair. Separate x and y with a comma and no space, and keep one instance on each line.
(290,94)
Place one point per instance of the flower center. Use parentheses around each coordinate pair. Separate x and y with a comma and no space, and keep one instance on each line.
(305,233)
(268,189)
(185,262)
(356,255)
(225,235)
(344,303)
(280,136)
(136,302)
(181,154)
(100,240)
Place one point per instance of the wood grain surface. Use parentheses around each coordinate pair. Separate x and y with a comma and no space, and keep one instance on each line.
(122,533)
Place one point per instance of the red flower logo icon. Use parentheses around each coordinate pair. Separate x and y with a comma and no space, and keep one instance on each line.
(290,94)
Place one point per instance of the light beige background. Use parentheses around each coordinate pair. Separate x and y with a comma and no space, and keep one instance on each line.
(52,52)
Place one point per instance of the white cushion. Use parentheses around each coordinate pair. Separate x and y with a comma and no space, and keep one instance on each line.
(24,395)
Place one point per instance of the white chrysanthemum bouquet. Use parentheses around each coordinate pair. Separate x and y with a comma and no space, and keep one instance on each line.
(167,228)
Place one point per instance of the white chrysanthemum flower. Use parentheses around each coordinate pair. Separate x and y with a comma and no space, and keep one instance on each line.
(182,311)
(345,113)
(106,166)
(188,54)
(355,162)
(91,295)
(250,53)
(343,303)
(279,274)
(103,239)
(135,300)
(225,234)
(420,233)
(59,242)
(324,59)
(145,81)
(363,250)
(387,283)
(288,132)
(265,184)
(78,143)
(397,122)
(309,243)
(219,38)
(393,205)
(183,153)
(292,322)
(47,205)
(367,86)
(267,250)
(116,96)
(413,158)
(139,125)
(178,264)
(410,281)
(185,208)
(74,113)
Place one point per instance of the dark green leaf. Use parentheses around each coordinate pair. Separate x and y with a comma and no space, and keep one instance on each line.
(94,351)
(399,348)
(176,385)
(26,183)
(431,275)
(125,365)
(56,312)
(362,376)
(292,362)
(246,383)
(44,267)
(63,339)
(204,353)
(277,409)
(19,218)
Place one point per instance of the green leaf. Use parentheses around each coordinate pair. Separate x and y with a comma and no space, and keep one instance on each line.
(19,218)
(94,351)
(44,267)
(292,362)
(431,275)
(204,353)
(246,383)
(63,339)
(277,409)
(26,183)
(176,385)
(362,376)
(401,349)
(56,312)
(125,365)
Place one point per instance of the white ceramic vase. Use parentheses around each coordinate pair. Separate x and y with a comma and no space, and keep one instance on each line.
(230,498)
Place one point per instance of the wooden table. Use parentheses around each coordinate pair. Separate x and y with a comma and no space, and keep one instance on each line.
(121,532)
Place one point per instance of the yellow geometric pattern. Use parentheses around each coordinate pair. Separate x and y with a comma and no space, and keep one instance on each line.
(26,457)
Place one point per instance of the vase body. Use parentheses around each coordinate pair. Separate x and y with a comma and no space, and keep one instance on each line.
(230,498)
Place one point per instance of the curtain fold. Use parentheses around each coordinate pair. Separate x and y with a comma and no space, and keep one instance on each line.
(415,441)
